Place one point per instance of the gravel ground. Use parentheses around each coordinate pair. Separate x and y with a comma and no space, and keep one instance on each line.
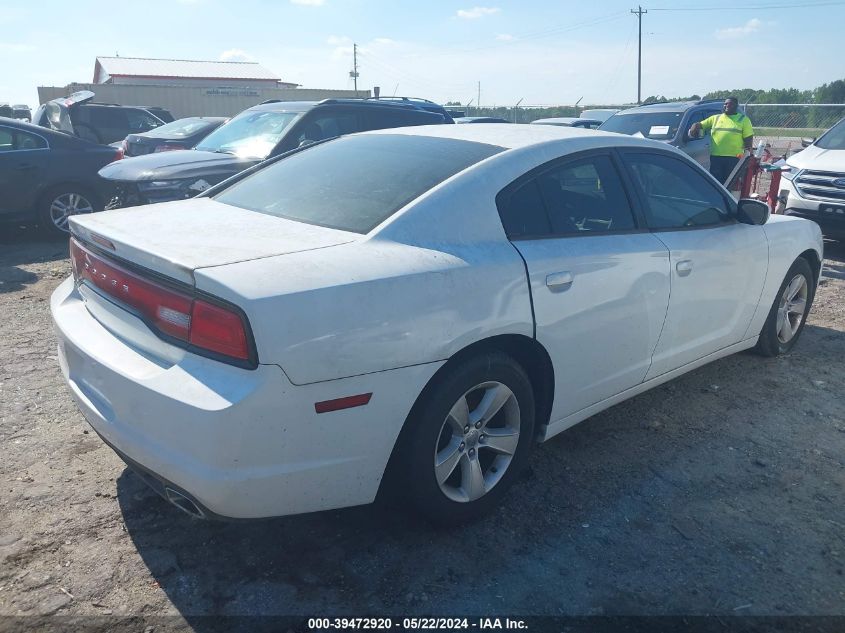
(718,493)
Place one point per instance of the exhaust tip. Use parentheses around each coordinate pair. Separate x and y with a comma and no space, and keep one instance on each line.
(182,502)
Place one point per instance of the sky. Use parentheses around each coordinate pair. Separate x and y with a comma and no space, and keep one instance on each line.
(537,52)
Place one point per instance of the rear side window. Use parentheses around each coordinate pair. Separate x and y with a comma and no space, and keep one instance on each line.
(675,194)
(140,121)
(107,117)
(354,183)
(578,197)
(377,119)
(7,140)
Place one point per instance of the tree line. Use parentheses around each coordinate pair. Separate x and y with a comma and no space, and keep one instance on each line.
(833,92)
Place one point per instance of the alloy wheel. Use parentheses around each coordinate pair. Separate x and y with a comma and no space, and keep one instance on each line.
(66,205)
(477,442)
(793,304)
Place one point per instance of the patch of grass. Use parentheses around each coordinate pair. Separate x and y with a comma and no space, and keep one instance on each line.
(787,132)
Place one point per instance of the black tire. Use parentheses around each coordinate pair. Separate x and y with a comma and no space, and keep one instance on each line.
(428,425)
(45,217)
(770,343)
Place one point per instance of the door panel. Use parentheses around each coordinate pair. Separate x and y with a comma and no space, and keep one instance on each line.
(599,283)
(22,161)
(599,305)
(717,278)
(718,265)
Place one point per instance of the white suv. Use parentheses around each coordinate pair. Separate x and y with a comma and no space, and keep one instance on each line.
(814,185)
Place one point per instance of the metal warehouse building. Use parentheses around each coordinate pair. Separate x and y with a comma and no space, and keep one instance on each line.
(189,87)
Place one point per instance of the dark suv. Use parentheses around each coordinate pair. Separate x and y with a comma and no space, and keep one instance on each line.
(263,131)
(102,123)
(669,122)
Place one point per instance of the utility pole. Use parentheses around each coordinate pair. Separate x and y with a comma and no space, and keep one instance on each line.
(639,13)
(354,72)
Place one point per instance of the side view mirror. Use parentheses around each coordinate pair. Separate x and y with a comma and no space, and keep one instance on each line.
(806,142)
(752,212)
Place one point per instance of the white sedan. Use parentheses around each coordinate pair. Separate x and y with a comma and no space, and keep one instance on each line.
(412,308)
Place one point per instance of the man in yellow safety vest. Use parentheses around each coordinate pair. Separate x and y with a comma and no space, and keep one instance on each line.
(730,135)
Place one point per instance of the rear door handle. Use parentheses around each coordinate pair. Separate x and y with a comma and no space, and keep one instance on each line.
(684,267)
(559,281)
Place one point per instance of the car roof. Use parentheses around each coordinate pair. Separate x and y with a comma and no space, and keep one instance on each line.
(37,129)
(670,106)
(304,106)
(558,119)
(518,135)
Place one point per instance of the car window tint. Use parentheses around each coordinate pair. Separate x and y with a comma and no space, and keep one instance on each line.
(140,121)
(356,182)
(107,117)
(675,194)
(578,197)
(378,119)
(698,117)
(6,140)
(524,214)
(327,126)
(585,196)
(25,140)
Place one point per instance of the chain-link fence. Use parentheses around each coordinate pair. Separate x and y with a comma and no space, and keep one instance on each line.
(783,125)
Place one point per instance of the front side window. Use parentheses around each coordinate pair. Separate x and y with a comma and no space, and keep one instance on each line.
(698,117)
(579,197)
(251,134)
(355,182)
(675,195)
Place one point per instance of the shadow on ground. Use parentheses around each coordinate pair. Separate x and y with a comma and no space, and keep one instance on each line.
(22,246)
(680,501)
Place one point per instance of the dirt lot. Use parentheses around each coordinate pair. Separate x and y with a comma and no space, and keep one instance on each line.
(719,493)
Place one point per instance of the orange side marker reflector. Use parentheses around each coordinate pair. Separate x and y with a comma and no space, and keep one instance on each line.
(343,403)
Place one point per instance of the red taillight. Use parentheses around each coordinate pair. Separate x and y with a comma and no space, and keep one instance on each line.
(176,314)
(218,330)
(120,154)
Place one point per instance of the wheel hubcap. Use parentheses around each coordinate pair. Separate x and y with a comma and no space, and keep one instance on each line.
(793,305)
(477,442)
(66,205)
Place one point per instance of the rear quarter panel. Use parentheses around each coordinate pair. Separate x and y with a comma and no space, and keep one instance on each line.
(374,305)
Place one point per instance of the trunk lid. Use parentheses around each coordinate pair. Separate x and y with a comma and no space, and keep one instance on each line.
(55,114)
(176,238)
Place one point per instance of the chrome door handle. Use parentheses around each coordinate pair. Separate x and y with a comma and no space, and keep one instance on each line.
(559,281)
(684,267)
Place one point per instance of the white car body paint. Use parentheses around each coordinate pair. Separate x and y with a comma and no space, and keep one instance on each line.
(336,314)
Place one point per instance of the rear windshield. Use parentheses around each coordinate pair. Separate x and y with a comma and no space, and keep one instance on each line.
(354,183)
(657,125)
(181,128)
(834,138)
(251,134)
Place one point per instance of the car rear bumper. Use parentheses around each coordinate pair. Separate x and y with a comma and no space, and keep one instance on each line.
(236,443)
(829,215)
